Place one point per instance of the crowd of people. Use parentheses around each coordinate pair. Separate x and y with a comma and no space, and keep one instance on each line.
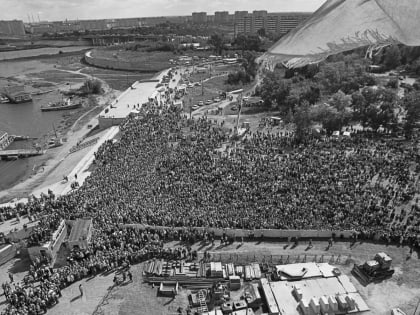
(172,171)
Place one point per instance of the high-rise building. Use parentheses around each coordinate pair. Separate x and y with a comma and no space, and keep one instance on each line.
(14,27)
(259,19)
(272,23)
(199,17)
(289,21)
(221,17)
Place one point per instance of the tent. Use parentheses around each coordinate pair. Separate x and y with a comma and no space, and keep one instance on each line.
(343,25)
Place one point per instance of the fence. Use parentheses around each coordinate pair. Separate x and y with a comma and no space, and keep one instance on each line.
(245,258)
(265,233)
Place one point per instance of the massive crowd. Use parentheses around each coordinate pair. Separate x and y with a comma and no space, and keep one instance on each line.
(169,170)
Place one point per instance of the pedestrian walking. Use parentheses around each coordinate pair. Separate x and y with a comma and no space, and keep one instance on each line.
(11,277)
(81,290)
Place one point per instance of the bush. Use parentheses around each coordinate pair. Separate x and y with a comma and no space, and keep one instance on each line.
(92,86)
(235,78)
(393,83)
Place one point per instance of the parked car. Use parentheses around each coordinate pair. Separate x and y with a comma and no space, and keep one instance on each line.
(194,107)
(200,103)
(208,102)
(234,108)
(216,100)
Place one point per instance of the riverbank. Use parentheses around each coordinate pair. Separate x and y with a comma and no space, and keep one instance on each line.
(47,164)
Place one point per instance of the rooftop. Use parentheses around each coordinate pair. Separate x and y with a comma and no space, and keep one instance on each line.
(80,230)
(315,289)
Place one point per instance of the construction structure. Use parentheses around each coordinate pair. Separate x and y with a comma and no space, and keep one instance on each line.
(80,234)
(13,28)
(374,270)
(49,248)
(302,288)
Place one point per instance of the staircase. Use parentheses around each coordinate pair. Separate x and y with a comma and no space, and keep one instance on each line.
(203,305)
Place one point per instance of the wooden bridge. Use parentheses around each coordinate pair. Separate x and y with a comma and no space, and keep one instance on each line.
(21,153)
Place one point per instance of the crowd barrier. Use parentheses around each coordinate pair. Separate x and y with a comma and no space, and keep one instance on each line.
(266,233)
(7,253)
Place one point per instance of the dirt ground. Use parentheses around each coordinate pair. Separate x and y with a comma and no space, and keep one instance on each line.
(402,290)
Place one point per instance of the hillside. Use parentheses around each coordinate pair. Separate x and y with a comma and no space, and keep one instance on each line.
(342,25)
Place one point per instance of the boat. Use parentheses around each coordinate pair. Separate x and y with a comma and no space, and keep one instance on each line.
(4,99)
(20,98)
(61,105)
(54,143)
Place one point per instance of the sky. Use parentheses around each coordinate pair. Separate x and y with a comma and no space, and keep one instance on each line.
(56,10)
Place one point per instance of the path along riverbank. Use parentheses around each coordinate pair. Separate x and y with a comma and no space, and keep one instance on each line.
(63,163)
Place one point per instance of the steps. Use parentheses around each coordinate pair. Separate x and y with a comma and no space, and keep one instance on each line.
(203,305)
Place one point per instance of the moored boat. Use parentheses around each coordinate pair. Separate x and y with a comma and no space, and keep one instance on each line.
(4,99)
(61,105)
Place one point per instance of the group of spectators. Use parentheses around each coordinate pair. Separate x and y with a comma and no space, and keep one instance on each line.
(169,170)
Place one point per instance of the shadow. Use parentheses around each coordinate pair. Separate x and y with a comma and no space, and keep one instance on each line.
(90,278)
(285,246)
(20,265)
(170,301)
(75,298)
(327,248)
(239,245)
(308,248)
(294,246)
(107,273)
(201,247)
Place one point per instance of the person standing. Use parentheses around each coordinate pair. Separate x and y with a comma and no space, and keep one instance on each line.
(81,290)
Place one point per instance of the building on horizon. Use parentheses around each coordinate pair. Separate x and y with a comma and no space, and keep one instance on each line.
(272,23)
(199,17)
(14,27)
(221,17)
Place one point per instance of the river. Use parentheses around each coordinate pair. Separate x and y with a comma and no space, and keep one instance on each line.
(26,119)
(9,55)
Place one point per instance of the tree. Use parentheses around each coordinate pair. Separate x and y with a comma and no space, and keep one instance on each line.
(340,101)
(218,42)
(248,42)
(411,103)
(274,90)
(330,118)
(392,58)
(302,120)
(261,32)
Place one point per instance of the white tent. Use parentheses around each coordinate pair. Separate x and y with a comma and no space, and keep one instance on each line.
(343,25)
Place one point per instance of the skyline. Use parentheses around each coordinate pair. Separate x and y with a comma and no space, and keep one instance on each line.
(58,10)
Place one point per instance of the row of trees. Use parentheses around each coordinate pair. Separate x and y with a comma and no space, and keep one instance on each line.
(338,92)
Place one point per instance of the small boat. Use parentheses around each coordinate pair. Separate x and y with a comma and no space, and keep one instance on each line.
(54,143)
(20,98)
(4,99)
(61,105)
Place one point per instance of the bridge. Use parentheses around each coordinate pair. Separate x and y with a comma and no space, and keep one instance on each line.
(21,153)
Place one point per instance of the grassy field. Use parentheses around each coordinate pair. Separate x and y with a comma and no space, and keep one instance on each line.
(137,60)
(118,80)
(58,76)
